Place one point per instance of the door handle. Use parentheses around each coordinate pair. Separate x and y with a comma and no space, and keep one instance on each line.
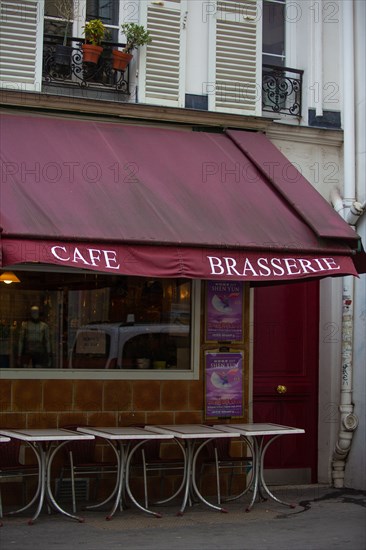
(281,389)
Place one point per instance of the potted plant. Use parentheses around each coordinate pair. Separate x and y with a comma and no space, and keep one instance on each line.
(136,35)
(94,32)
(66,11)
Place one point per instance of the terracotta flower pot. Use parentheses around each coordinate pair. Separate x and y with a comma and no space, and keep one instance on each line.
(120,60)
(91,53)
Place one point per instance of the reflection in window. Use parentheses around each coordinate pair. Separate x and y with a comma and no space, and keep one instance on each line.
(79,321)
(59,17)
(61,14)
(274,32)
(107,11)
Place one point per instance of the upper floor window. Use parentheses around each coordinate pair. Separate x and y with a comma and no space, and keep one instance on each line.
(281,85)
(64,63)
(107,11)
(273,52)
(69,16)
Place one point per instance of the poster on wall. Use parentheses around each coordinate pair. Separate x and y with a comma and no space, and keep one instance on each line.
(224,315)
(224,397)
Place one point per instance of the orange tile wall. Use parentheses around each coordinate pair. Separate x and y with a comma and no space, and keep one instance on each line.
(55,403)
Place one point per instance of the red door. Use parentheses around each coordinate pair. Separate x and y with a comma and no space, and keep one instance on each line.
(285,371)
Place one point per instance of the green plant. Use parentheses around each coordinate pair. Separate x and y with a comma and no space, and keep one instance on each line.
(95,32)
(136,35)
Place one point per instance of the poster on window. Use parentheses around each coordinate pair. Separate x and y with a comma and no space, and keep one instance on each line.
(224,385)
(224,315)
(91,342)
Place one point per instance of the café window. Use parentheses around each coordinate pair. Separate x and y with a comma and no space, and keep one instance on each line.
(117,326)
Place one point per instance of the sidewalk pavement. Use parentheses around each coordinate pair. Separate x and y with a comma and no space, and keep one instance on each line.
(324,519)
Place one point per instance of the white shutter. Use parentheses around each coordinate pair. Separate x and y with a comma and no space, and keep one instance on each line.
(235,61)
(162,63)
(21,44)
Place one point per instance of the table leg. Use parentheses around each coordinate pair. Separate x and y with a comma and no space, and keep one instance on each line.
(256,471)
(262,481)
(258,483)
(127,475)
(190,443)
(48,459)
(41,457)
(194,484)
(165,500)
(105,501)
(252,475)
(120,479)
(36,494)
(115,488)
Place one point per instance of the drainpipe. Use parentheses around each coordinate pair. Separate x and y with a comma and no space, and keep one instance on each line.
(351,212)
(348,419)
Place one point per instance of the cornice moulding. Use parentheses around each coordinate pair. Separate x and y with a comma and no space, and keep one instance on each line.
(52,104)
(305,134)
(137,113)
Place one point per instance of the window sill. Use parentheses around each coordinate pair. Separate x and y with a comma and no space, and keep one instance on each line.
(84,374)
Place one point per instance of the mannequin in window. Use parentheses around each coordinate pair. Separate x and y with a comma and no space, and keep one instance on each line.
(5,343)
(34,342)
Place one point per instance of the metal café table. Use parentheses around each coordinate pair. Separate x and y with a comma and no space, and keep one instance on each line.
(195,437)
(255,435)
(45,444)
(123,436)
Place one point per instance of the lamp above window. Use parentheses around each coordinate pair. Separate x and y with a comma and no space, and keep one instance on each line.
(9,277)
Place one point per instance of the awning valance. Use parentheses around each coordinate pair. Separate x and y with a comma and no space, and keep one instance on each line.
(159,202)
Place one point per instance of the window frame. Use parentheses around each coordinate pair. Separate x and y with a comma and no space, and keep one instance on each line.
(80,19)
(276,56)
(122,374)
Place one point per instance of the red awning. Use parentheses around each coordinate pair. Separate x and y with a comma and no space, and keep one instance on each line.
(165,203)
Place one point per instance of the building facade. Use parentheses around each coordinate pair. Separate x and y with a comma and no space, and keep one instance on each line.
(291,71)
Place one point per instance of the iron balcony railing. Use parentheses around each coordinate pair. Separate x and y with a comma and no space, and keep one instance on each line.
(281,90)
(281,86)
(68,69)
